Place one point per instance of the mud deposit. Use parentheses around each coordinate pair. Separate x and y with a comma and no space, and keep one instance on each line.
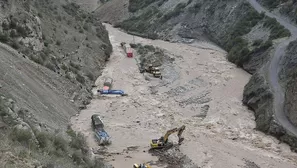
(201,90)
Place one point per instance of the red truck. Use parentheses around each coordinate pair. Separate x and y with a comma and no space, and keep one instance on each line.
(128,50)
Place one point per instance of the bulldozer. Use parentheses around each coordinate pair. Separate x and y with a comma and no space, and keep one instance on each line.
(163,141)
(141,166)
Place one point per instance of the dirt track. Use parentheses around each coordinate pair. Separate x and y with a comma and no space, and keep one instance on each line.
(221,136)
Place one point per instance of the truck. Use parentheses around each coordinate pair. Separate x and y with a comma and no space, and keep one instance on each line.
(107,83)
(128,50)
(101,135)
(112,92)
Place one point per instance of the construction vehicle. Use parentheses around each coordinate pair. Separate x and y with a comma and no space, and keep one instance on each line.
(141,166)
(152,70)
(107,83)
(128,50)
(102,137)
(163,141)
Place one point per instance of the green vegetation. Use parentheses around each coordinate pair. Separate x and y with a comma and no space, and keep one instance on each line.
(271,4)
(42,147)
(135,5)
(149,54)
(177,10)
(141,24)
(277,30)
(196,8)
(238,48)
(235,44)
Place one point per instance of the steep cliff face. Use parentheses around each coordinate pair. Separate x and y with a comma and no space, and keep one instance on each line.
(288,76)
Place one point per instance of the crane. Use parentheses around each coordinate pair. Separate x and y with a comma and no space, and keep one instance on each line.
(163,141)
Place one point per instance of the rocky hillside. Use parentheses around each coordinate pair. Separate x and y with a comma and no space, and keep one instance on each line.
(51,52)
(285,7)
(248,36)
(61,37)
(288,76)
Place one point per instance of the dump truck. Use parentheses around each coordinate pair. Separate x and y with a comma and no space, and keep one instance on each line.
(152,70)
(101,135)
(128,50)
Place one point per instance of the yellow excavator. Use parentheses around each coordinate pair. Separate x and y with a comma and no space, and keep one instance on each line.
(163,141)
(141,166)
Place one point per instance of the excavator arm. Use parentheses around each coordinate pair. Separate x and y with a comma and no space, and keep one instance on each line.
(160,143)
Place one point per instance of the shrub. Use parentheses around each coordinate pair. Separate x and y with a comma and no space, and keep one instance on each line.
(257,42)
(77,157)
(90,76)
(78,141)
(4,38)
(64,67)
(5,26)
(3,108)
(177,10)
(58,42)
(13,33)
(50,66)
(196,8)
(22,31)
(22,136)
(80,79)
(39,15)
(135,5)
(15,44)
(43,139)
(60,143)
(76,66)
(13,23)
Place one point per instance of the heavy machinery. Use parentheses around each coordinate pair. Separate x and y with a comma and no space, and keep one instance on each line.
(152,70)
(141,166)
(107,83)
(163,141)
(102,137)
(128,50)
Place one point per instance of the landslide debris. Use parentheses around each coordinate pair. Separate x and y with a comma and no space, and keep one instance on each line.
(173,158)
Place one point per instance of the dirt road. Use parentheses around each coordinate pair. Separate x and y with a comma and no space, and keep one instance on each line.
(201,90)
(274,69)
